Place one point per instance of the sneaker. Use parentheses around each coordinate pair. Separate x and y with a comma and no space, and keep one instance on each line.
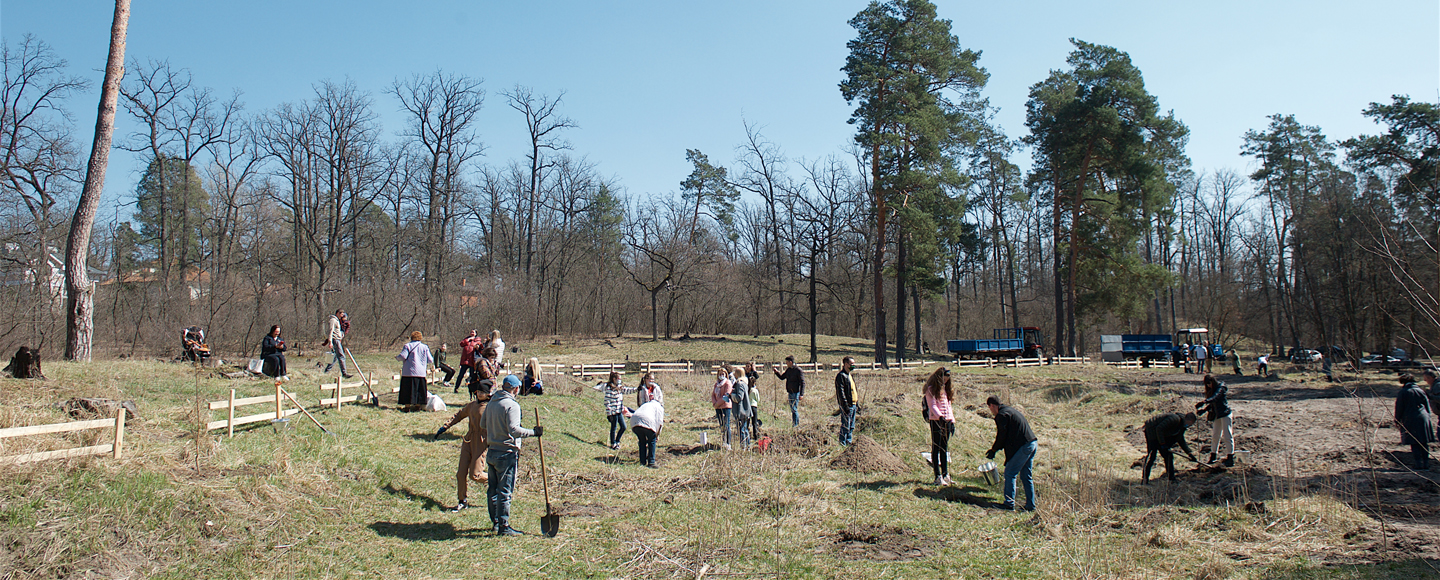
(939,480)
(459,507)
(509,531)
(947,481)
(347,376)
(614,445)
(652,466)
(284,378)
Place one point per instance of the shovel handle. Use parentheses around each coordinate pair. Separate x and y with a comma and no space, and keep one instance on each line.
(544,476)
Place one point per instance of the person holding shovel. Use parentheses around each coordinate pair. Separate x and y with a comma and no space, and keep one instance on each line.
(1161,433)
(1013,434)
(1218,413)
(472,449)
(503,433)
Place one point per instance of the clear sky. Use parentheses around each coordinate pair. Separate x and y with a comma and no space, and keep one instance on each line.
(646,80)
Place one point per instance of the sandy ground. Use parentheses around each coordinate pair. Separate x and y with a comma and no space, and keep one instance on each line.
(1308,436)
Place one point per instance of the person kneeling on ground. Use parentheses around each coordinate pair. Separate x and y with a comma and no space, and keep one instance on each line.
(1161,433)
(503,434)
(1013,434)
(649,419)
(472,449)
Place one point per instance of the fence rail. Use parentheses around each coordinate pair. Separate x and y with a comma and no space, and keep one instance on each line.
(230,422)
(115,447)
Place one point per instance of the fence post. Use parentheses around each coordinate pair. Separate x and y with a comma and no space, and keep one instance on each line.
(230,416)
(119,431)
(340,390)
(279,412)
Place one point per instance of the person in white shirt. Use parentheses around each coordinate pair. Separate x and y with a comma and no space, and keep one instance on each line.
(649,419)
(499,346)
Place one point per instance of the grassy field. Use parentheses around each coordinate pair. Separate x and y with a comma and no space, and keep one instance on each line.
(370,499)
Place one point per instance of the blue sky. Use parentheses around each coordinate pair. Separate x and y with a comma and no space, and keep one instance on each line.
(646,80)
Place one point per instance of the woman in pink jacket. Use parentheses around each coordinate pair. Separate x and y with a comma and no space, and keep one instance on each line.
(720,399)
(938,396)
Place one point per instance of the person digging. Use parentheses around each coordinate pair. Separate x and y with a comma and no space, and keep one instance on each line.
(472,449)
(1161,433)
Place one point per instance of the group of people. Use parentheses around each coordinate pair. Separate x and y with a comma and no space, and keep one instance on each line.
(1166,430)
(1012,435)
(494,436)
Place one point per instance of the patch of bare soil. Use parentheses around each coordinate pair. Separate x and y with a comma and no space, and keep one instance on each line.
(808,443)
(864,455)
(1313,436)
(589,510)
(881,543)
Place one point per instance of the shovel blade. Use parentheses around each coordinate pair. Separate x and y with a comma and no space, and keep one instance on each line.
(550,525)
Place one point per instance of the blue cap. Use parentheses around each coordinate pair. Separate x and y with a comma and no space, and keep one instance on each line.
(512,381)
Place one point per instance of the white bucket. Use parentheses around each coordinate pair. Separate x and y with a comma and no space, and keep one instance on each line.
(703,438)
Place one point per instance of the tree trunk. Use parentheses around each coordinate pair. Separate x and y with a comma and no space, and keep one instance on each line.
(814,307)
(902,279)
(80,293)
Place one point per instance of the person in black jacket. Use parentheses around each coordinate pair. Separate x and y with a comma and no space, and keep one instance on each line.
(794,387)
(845,399)
(449,370)
(1161,433)
(272,352)
(1412,417)
(1217,412)
(1013,434)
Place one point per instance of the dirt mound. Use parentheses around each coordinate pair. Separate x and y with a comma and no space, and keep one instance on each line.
(867,456)
(805,442)
(1259,444)
(881,543)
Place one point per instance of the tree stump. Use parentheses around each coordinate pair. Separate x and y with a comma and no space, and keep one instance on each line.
(25,364)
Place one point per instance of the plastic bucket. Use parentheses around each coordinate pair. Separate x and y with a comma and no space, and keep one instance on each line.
(988,473)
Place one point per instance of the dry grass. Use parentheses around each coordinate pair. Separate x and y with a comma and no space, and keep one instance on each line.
(295,503)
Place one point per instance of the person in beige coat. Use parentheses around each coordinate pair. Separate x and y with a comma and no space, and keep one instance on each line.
(472,449)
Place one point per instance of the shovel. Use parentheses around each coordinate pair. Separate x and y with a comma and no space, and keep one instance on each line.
(550,522)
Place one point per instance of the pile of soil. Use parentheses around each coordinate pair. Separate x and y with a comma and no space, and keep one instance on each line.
(867,456)
(881,543)
(810,442)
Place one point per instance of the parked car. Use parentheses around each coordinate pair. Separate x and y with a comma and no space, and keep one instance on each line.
(1379,360)
(1305,356)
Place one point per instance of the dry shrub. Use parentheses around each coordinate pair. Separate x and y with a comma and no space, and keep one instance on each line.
(1215,570)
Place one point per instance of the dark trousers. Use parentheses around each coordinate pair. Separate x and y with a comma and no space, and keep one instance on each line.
(940,447)
(1422,455)
(723,416)
(449,371)
(460,374)
(1152,447)
(617,428)
(647,445)
(275,363)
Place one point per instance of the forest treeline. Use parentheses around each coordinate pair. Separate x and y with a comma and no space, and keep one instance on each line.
(924,227)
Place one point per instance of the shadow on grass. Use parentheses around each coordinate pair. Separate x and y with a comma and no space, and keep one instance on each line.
(968,495)
(880,485)
(427,437)
(426,502)
(426,531)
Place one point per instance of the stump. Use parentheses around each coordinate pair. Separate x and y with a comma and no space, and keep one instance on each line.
(25,364)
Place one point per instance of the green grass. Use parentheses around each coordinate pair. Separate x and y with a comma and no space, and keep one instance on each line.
(367,501)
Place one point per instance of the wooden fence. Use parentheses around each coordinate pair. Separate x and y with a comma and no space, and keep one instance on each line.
(686,367)
(1069,360)
(116,423)
(230,422)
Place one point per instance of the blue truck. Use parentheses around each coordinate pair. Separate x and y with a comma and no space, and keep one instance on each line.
(1154,347)
(1007,342)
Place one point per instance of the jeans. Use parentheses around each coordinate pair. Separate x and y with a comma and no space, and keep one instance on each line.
(337,349)
(500,467)
(617,428)
(794,409)
(1021,464)
(847,425)
(647,445)
(742,428)
(723,416)
(940,448)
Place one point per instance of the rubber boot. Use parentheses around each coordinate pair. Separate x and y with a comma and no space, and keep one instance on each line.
(1230,460)
(1211,460)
